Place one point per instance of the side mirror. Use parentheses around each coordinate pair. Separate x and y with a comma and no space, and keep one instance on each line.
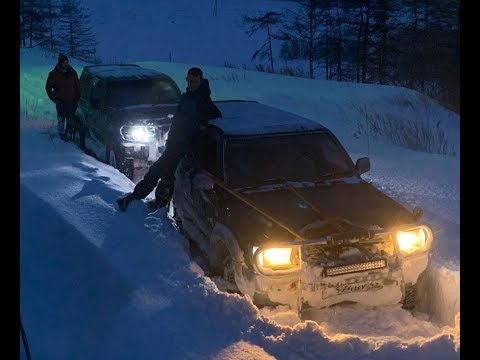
(362,165)
(202,182)
(417,213)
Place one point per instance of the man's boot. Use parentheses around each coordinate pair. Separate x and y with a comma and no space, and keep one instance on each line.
(163,194)
(62,128)
(69,128)
(123,202)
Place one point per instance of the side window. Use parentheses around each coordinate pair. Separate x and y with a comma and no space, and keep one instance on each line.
(97,93)
(205,154)
(166,90)
(84,84)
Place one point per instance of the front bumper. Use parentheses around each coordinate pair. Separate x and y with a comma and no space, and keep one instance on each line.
(309,288)
(377,282)
(147,152)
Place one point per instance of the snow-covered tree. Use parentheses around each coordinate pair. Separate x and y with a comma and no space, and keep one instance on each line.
(265,22)
(76,32)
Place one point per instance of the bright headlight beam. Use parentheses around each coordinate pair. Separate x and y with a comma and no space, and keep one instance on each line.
(412,240)
(140,134)
(277,256)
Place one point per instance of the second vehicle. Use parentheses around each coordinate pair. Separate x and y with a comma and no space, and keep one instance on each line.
(124,113)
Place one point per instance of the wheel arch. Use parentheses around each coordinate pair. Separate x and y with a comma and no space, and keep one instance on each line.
(122,164)
(222,234)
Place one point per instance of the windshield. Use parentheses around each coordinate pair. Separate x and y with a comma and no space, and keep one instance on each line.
(140,92)
(294,157)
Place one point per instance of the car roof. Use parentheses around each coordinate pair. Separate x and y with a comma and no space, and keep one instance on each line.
(242,118)
(116,72)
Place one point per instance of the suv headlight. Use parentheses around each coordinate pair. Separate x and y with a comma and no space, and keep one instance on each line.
(275,260)
(138,133)
(414,240)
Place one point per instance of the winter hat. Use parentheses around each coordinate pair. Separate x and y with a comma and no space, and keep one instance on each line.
(62,57)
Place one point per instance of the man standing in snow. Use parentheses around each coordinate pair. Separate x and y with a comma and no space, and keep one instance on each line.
(63,88)
(193,112)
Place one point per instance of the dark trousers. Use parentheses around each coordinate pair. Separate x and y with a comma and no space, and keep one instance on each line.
(163,169)
(65,117)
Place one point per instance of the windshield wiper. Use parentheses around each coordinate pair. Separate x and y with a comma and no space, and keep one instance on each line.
(333,175)
(274,181)
(281,180)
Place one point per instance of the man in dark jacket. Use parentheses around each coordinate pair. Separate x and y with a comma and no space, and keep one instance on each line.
(63,88)
(193,112)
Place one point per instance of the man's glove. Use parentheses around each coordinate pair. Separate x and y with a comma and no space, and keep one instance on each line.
(124,201)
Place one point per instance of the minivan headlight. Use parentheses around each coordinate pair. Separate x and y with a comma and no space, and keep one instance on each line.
(138,133)
(414,240)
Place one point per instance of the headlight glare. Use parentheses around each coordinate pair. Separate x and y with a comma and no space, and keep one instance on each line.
(278,258)
(414,240)
(138,133)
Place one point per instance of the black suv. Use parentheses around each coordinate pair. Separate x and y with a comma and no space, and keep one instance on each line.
(281,213)
(125,113)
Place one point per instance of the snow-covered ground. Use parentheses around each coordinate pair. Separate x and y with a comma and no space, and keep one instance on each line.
(96,283)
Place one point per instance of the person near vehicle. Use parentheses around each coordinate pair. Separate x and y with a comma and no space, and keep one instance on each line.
(192,114)
(63,88)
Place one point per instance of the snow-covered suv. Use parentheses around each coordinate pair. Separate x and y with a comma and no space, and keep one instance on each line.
(279,209)
(125,111)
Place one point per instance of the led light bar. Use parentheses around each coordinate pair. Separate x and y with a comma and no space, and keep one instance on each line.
(345,269)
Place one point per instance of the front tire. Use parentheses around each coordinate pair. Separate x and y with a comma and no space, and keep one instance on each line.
(223,273)
(116,160)
(221,264)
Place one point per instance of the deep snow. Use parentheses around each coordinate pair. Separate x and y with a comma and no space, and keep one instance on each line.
(96,283)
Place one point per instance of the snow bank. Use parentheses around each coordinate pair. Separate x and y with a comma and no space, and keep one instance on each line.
(439,294)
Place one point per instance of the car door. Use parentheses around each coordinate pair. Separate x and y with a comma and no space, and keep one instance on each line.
(205,199)
(200,203)
(96,113)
